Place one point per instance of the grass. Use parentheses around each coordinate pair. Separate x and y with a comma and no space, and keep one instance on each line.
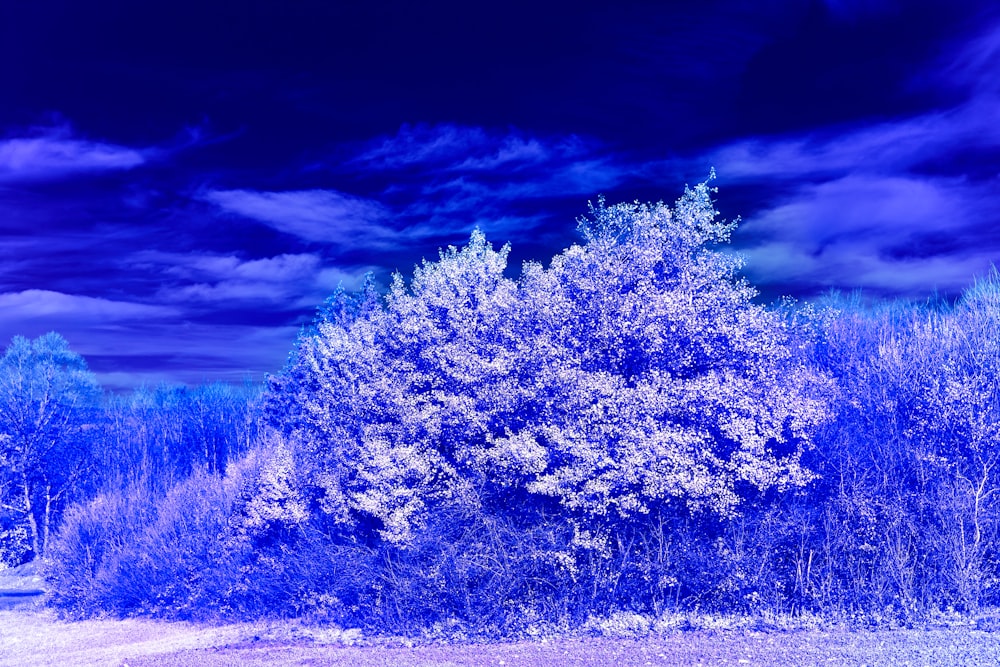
(37,637)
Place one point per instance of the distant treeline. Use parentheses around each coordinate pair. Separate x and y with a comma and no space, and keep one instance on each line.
(625,429)
(63,440)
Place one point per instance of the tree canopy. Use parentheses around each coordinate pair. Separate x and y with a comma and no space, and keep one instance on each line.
(634,371)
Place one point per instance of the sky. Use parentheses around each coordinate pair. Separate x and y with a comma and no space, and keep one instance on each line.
(182,183)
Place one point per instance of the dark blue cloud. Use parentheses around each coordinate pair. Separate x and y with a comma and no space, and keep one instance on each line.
(899,207)
(444,180)
(454,148)
(178,213)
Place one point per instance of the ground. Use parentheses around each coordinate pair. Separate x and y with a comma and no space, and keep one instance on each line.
(20,586)
(37,637)
(31,635)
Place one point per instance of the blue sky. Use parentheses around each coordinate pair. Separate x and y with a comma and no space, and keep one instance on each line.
(182,183)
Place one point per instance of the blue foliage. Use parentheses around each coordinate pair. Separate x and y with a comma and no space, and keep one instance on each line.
(47,400)
(625,429)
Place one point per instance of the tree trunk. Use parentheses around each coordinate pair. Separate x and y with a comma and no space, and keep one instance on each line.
(46,520)
(30,511)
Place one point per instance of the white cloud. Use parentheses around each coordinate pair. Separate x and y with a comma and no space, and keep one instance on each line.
(54,157)
(459,148)
(856,265)
(284,281)
(869,207)
(903,206)
(510,151)
(891,146)
(888,234)
(325,216)
(467,194)
(279,269)
(156,342)
(185,352)
(468,177)
(37,304)
(883,148)
(422,144)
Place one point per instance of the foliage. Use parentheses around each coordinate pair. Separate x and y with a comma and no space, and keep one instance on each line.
(908,500)
(622,436)
(63,441)
(632,389)
(158,435)
(46,400)
(633,373)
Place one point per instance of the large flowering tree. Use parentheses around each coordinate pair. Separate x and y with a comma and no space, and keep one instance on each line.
(632,372)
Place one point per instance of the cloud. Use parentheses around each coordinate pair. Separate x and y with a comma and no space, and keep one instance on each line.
(461,148)
(864,206)
(893,235)
(227,279)
(900,207)
(511,151)
(183,351)
(465,194)
(890,146)
(287,281)
(279,269)
(422,144)
(460,177)
(35,304)
(42,158)
(425,214)
(155,343)
(325,216)
(975,67)
(858,265)
(464,168)
(886,147)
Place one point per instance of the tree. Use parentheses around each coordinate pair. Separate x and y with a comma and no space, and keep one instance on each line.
(157,436)
(46,394)
(634,372)
(663,379)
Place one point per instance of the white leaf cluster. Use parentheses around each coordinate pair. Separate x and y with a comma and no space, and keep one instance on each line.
(635,370)
(273,501)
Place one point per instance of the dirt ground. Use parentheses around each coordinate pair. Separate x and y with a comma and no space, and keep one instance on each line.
(32,638)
